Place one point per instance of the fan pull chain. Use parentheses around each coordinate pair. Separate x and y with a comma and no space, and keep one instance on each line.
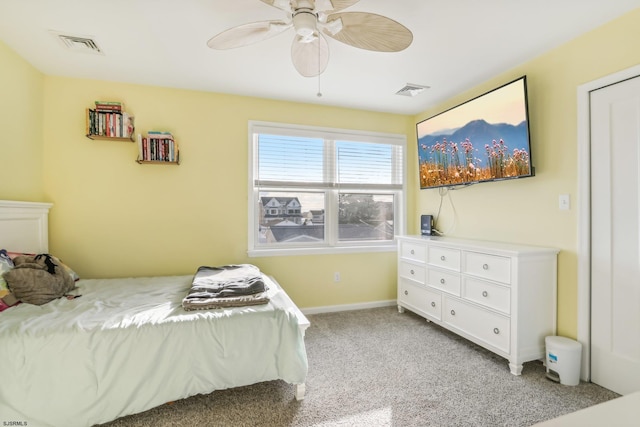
(319,94)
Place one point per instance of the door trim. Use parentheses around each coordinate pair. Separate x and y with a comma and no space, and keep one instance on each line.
(584,209)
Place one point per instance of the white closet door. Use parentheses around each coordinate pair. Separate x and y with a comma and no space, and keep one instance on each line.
(615,236)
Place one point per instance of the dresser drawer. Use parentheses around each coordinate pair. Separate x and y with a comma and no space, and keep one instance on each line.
(417,298)
(492,267)
(412,271)
(444,257)
(443,280)
(413,251)
(488,294)
(434,304)
(489,327)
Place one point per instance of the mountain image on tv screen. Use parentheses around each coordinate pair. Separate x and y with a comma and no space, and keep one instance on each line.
(484,139)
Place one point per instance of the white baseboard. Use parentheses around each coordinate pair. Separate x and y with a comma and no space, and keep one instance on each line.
(348,307)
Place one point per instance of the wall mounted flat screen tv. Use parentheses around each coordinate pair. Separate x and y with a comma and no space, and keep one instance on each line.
(484,139)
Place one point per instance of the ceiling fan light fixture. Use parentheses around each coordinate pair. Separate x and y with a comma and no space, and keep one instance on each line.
(304,21)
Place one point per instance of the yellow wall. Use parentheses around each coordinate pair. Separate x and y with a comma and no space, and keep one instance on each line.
(526,211)
(113,217)
(21,91)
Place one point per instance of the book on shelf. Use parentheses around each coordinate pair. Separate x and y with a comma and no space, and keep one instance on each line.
(108,110)
(110,103)
(159,135)
(128,125)
(89,123)
(110,125)
(109,106)
(140,148)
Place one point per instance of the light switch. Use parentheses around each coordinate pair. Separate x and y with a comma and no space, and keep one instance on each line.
(564,202)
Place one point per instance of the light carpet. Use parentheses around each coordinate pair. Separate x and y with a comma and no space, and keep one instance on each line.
(377,367)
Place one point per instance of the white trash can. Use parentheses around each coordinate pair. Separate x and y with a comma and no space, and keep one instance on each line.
(563,357)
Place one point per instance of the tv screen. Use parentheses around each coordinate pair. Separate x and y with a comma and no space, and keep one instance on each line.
(484,139)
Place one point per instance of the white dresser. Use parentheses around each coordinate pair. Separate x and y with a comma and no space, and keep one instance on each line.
(500,296)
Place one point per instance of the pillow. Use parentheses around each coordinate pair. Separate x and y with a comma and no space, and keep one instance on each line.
(13,255)
(5,265)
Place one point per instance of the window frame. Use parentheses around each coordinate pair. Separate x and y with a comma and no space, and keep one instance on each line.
(331,244)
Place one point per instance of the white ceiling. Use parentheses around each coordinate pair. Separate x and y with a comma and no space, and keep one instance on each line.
(457,45)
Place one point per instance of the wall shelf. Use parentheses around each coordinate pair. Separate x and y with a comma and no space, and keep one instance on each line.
(109,138)
(158,162)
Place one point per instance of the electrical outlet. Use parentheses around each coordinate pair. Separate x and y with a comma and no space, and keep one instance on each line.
(336,276)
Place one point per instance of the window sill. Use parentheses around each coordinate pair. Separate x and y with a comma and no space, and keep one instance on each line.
(320,251)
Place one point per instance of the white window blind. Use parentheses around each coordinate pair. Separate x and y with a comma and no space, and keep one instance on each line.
(287,160)
(362,164)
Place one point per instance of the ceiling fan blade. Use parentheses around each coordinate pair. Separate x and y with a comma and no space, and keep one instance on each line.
(280,4)
(368,31)
(333,5)
(247,34)
(310,57)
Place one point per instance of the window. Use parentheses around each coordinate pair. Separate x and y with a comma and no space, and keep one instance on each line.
(318,190)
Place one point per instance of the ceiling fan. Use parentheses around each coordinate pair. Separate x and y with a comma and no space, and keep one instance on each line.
(312,20)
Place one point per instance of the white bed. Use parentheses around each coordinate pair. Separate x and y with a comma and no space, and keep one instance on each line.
(127,345)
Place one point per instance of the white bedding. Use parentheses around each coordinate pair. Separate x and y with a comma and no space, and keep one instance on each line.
(127,345)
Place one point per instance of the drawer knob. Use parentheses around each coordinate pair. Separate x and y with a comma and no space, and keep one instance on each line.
(413,252)
(433,303)
(453,312)
(442,258)
(496,331)
(442,281)
(485,294)
(406,292)
(411,271)
(485,266)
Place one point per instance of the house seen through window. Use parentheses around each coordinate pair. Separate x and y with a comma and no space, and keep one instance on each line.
(324,190)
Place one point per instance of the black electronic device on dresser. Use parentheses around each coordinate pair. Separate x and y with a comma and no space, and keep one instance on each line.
(426,225)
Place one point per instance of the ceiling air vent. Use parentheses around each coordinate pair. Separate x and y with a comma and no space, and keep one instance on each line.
(84,44)
(411,90)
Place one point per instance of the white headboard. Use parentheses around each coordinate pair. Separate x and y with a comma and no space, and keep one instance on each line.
(24,226)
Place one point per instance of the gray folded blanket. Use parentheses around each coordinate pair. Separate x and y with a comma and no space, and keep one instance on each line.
(226,286)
